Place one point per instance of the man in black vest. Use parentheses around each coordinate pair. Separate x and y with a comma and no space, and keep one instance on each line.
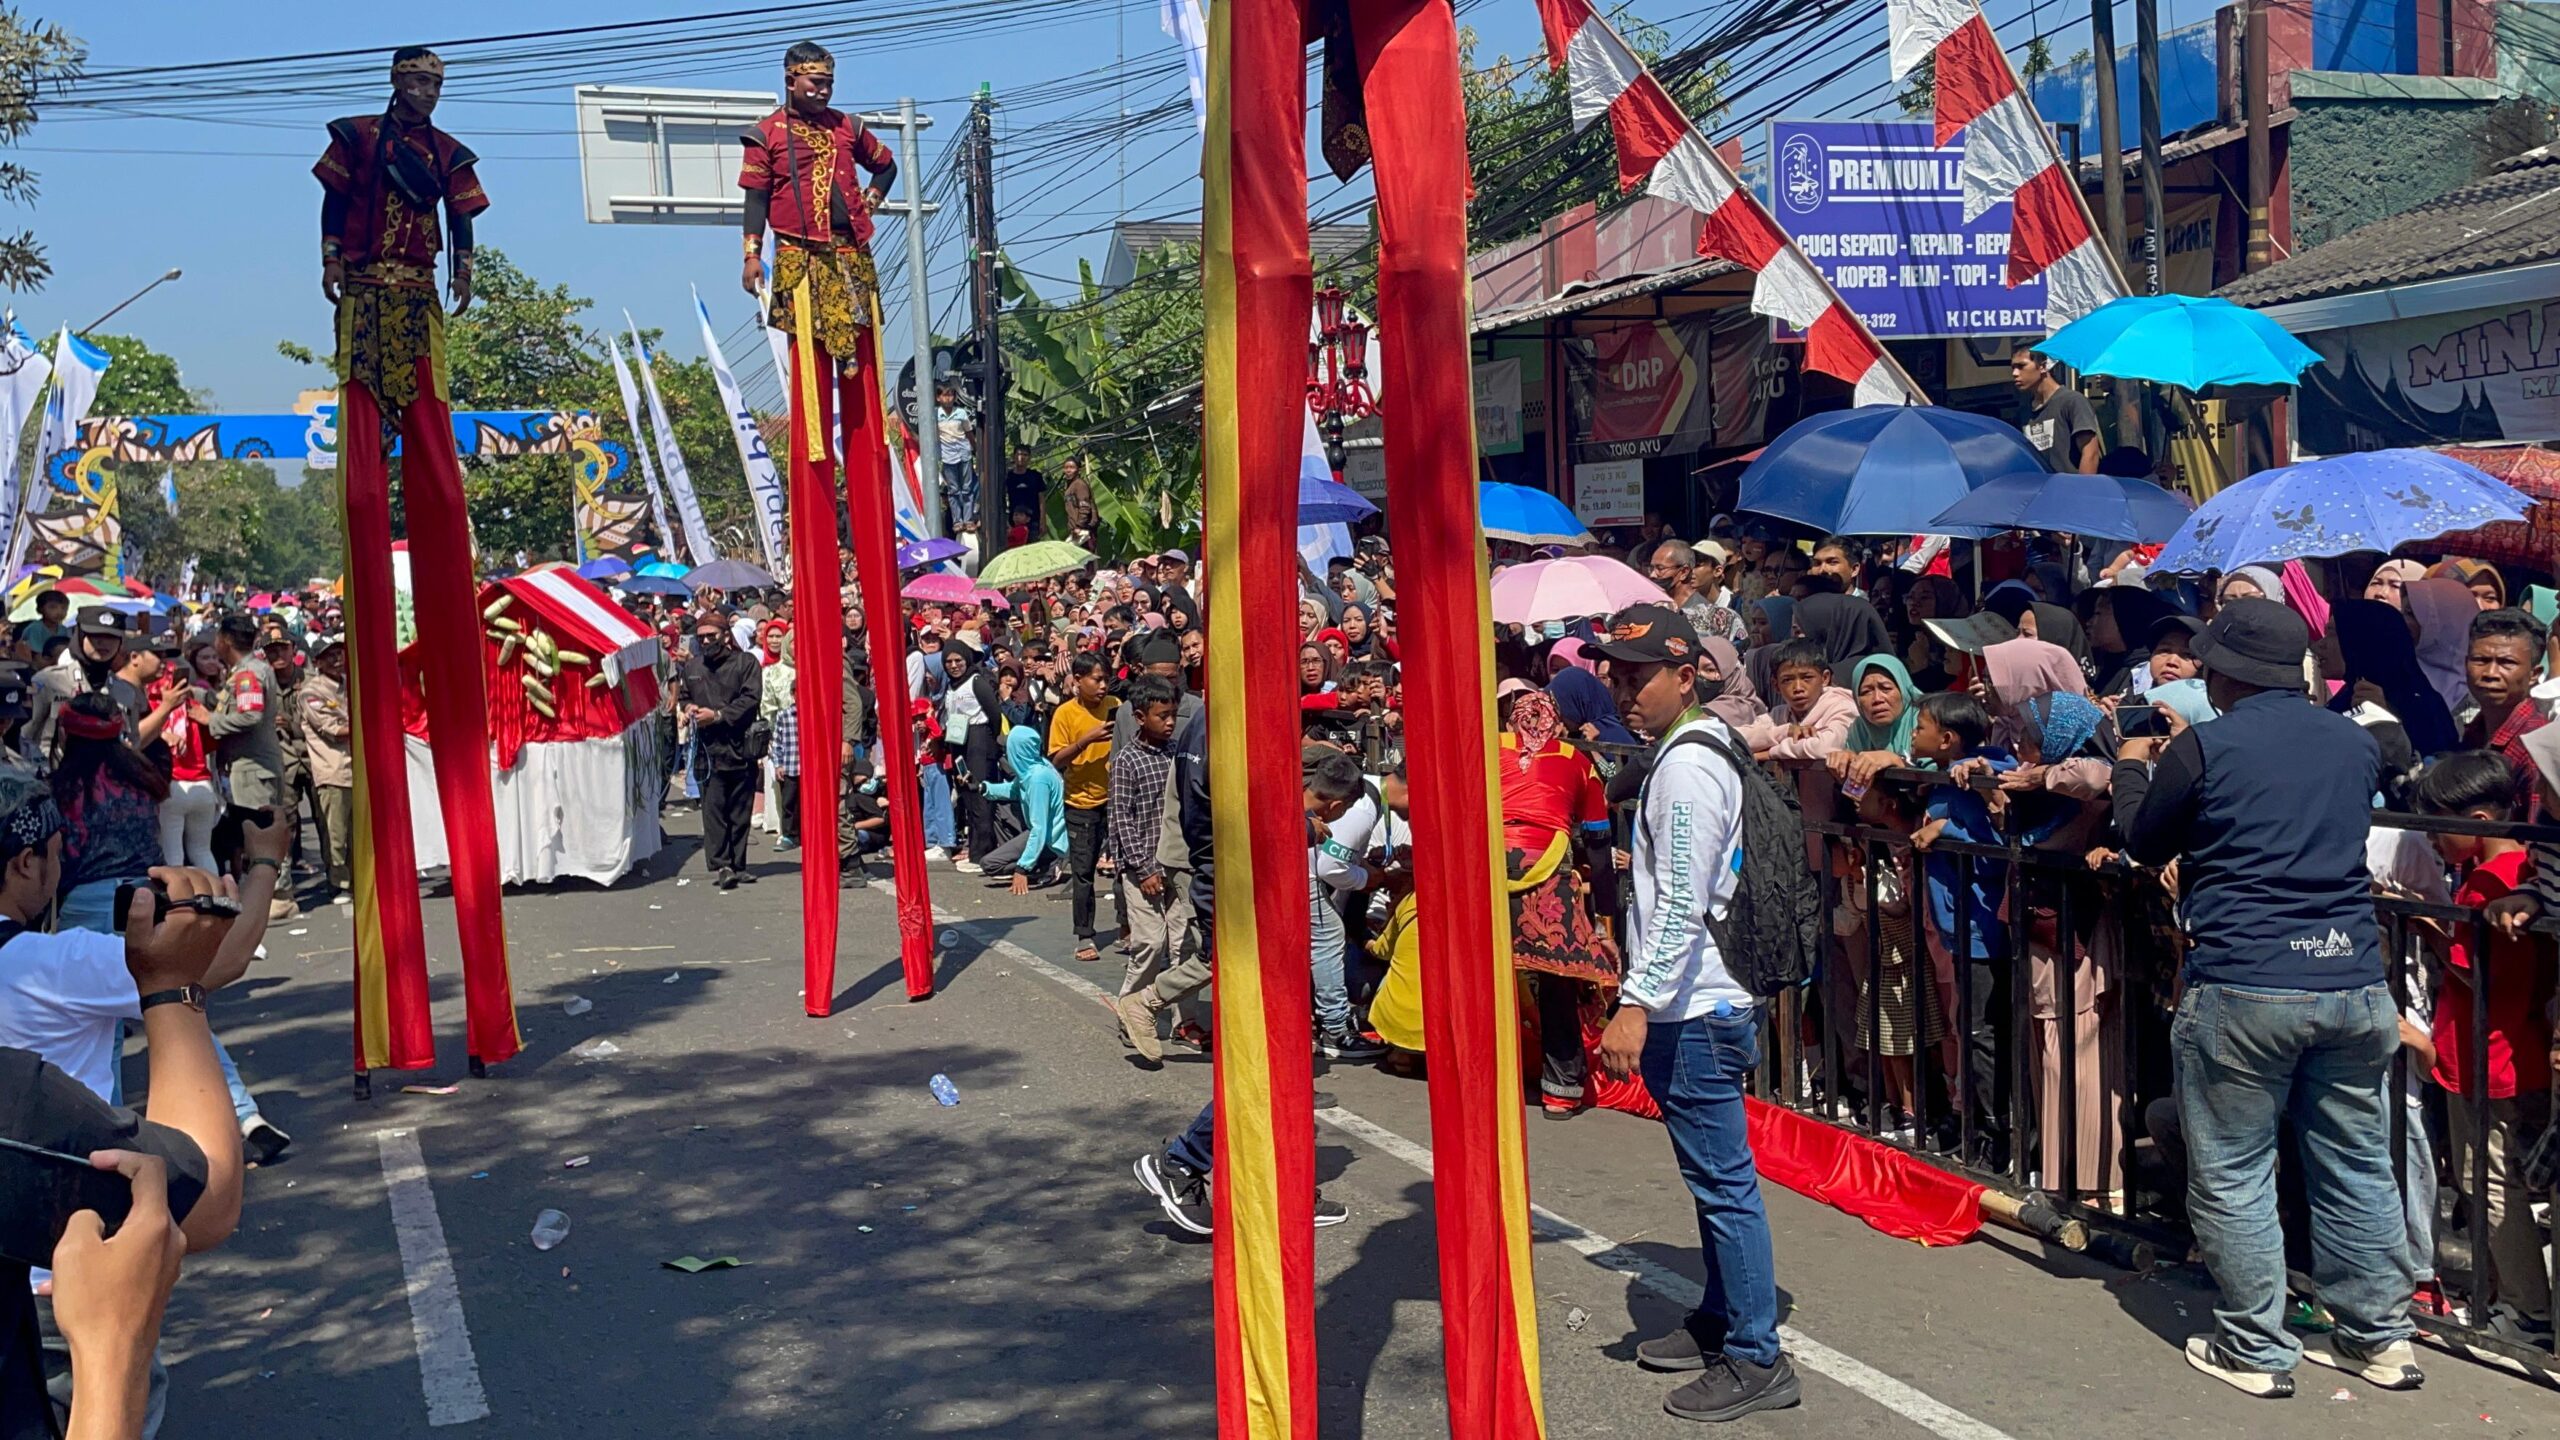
(2285,1015)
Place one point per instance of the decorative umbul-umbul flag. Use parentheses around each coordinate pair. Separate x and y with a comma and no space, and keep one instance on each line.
(697,534)
(23,371)
(2008,154)
(764,483)
(668,540)
(1659,149)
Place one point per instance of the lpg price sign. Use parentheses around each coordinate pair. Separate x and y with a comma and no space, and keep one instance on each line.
(1879,209)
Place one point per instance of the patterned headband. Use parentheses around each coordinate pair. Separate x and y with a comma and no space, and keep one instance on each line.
(810,67)
(30,825)
(418,65)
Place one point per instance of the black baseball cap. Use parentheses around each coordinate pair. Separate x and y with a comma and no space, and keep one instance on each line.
(2256,642)
(2161,627)
(1650,634)
(16,703)
(99,620)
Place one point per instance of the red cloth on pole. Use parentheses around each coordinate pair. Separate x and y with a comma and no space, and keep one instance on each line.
(391,1003)
(457,700)
(1883,1186)
(1408,58)
(817,623)
(875,562)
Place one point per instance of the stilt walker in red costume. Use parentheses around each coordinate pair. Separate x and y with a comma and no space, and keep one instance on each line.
(384,178)
(801,179)
(1394,62)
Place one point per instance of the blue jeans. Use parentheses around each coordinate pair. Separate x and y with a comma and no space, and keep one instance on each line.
(935,787)
(91,906)
(1194,1147)
(1695,1070)
(2249,1059)
(1324,932)
(960,491)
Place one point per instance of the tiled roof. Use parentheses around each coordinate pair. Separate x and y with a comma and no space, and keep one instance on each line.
(2510,217)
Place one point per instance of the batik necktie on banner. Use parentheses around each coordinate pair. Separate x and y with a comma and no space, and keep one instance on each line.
(1659,149)
(2008,155)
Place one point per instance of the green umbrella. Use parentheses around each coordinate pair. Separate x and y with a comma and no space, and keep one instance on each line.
(1037,561)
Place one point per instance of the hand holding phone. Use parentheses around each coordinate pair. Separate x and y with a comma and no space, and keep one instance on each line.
(56,1186)
(111,1288)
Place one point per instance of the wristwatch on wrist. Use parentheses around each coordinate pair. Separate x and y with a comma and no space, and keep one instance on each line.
(191,996)
(272,864)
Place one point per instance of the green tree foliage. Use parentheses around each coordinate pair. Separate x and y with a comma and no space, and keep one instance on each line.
(35,56)
(1919,94)
(1100,377)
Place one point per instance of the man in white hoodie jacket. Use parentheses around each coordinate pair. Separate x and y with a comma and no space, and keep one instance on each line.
(1688,1025)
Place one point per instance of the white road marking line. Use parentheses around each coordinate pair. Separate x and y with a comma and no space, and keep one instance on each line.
(1915,1405)
(448,1371)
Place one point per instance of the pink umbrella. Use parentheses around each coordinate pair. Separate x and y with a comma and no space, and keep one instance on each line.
(943,589)
(1570,588)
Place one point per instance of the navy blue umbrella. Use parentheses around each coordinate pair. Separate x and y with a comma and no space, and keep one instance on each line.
(1323,500)
(654,585)
(2103,507)
(1884,469)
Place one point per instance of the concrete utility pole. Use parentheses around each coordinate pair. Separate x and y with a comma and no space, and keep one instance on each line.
(915,210)
(984,311)
(2155,205)
(2102,46)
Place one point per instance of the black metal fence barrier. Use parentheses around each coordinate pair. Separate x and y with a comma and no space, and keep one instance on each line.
(2051,1072)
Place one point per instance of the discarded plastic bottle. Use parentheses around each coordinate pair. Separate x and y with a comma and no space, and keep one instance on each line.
(944,1090)
(549,1229)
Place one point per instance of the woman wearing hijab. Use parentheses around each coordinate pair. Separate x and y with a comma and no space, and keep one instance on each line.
(2382,688)
(1587,709)
(1888,710)
(1845,626)
(2391,580)
(1038,854)
(1336,644)
(1358,643)
(1570,654)
(971,716)
(1316,675)
(1932,597)
(1551,793)
(2487,586)
(1724,684)
(2250,582)
(2014,602)
(2016,674)
(2444,609)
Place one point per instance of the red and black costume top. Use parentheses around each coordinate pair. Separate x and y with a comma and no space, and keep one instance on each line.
(799,177)
(384,180)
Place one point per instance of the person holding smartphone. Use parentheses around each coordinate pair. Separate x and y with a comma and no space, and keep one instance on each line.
(182,1164)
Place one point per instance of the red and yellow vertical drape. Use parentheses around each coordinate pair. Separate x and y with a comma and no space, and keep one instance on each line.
(1257,292)
(393,1029)
(1408,65)
(817,390)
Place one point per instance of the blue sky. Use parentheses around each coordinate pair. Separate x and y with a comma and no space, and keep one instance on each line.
(227,195)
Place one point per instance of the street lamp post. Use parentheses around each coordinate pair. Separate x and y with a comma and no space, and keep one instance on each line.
(164,279)
(1338,372)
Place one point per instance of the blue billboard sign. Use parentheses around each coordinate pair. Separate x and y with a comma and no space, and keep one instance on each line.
(1878,207)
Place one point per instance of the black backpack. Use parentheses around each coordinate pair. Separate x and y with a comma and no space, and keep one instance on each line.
(1771,933)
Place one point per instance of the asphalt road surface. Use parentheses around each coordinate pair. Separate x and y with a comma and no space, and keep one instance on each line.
(992,1268)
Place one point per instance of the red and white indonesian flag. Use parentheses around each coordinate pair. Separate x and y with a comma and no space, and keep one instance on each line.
(1660,149)
(2007,154)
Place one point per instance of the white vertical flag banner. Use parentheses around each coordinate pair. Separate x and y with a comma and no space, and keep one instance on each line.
(764,487)
(77,368)
(697,535)
(169,490)
(1181,20)
(23,370)
(667,538)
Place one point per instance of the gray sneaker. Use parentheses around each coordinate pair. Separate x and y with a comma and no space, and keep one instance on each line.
(2207,1355)
(2392,1367)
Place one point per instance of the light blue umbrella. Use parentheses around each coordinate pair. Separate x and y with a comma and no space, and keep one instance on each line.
(662,570)
(2191,341)
(2104,507)
(1884,469)
(1531,517)
(1323,500)
(2378,500)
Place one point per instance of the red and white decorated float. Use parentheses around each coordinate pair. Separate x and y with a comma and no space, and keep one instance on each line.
(573,735)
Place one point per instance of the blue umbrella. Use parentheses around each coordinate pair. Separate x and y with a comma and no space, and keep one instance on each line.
(604,567)
(2102,506)
(654,585)
(1884,469)
(2378,500)
(663,570)
(725,574)
(1326,501)
(2191,341)
(1516,512)
(917,554)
